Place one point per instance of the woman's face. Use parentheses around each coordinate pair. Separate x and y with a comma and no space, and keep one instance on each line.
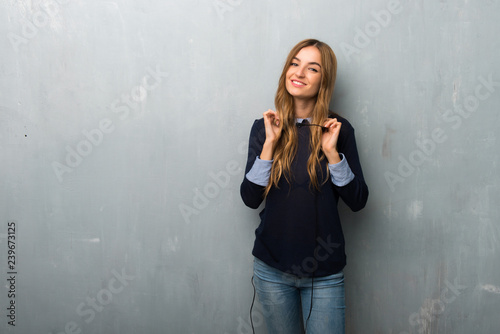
(303,77)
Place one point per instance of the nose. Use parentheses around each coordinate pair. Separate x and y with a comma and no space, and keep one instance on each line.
(300,71)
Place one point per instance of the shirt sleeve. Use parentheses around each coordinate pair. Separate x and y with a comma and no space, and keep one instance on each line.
(355,193)
(251,193)
(260,172)
(341,173)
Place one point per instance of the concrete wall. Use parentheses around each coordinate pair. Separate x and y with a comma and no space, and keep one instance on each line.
(123,133)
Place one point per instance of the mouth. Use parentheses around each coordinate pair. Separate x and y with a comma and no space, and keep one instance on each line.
(297,83)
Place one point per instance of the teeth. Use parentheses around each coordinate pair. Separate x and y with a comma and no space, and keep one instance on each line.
(298,83)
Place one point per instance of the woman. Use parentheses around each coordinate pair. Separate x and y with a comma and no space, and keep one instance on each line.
(301,170)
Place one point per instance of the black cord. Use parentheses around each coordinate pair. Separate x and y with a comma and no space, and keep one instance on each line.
(323,128)
(251,307)
(311,308)
(316,245)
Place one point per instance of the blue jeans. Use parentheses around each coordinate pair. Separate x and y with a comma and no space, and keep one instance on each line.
(285,296)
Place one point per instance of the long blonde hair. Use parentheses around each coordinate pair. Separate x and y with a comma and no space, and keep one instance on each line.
(287,141)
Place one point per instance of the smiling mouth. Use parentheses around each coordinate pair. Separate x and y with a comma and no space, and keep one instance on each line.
(298,83)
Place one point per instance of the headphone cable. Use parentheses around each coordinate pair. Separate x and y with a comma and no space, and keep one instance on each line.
(251,307)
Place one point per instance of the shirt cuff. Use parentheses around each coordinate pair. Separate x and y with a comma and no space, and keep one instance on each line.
(341,173)
(260,172)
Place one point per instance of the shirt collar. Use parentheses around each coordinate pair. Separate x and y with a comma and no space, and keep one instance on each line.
(299,120)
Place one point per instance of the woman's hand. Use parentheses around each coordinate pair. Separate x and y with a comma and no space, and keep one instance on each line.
(329,140)
(273,128)
(272,123)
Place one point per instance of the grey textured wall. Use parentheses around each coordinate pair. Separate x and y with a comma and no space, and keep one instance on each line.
(123,131)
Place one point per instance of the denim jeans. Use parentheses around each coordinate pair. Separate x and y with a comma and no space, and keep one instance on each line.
(284,297)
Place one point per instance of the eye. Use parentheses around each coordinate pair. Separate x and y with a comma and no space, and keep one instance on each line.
(294,64)
(313,69)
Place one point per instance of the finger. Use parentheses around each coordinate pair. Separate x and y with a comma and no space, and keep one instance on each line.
(276,119)
(268,115)
(329,122)
(271,116)
(270,112)
(334,125)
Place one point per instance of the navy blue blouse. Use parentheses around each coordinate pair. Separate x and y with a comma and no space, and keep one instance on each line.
(300,231)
